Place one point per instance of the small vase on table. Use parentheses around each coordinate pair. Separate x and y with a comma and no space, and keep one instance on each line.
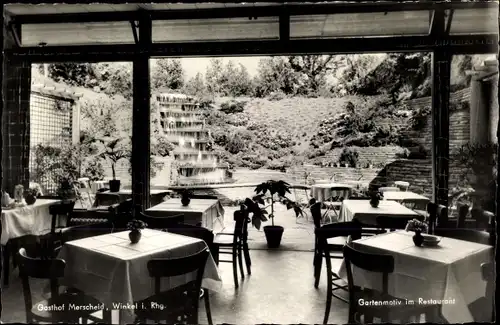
(418,239)
(135,227)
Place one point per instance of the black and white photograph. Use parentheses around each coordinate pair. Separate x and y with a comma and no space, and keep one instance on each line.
(327,162)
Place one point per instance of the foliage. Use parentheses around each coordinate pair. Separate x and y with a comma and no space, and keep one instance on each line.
(276,74)
(228,80)
(416,226)
(93,169)
(114,150)
(232,107)
(350,157)
(168,74)
(277,191)
(313,70)
(276,95)
(114,79)
(418,120)
(480,172)
(73,74)
(135,224)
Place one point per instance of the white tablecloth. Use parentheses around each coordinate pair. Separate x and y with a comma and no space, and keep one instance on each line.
(450,271)
(111,269)
(209,213)
(97,185)
(323,192)
(401,197)
(362,211)
(28,220)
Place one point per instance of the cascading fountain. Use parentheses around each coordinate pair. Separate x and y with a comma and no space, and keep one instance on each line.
(183,125)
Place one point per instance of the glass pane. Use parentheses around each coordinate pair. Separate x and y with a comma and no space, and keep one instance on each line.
(474,21)
(360,24)
(216,29)
(77,34)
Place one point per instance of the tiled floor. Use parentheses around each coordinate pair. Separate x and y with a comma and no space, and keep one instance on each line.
(280,290)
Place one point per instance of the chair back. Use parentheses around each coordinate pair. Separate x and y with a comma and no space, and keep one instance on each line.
(194,231)
(50,269)
(161,223)
(84,231)
(463,211)
(63,209)
(340,229)
(438,216)
(488,275)
(358,198)
(166,268)
(341,193)
(316,214)
(388,189)
(481,218)
(378,263)
(471,235)
(241,224)
(395,223)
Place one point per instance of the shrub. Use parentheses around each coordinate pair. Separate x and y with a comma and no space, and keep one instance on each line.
(276,95)
(418,120)
(93,169)
(235,145)
(349,156)
(232,107)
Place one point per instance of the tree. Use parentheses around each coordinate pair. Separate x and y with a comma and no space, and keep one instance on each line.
(276,74)
(114,78)
(239,81)
(195,86)
(168,74)
(73,74)
(214,77)
(313,70)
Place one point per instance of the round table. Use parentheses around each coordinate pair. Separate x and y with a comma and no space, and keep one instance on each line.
(323,192)
(97,185)
(403,186)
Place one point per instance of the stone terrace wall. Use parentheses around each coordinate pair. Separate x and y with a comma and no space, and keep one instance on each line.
(342,174)
(459,122)
(378,156)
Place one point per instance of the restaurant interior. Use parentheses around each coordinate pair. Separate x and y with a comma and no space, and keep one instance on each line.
(141,254)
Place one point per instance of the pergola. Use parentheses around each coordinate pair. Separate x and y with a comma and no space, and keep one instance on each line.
(139,32)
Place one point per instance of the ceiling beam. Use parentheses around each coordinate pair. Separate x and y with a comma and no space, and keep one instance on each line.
(241,12)
(459,44)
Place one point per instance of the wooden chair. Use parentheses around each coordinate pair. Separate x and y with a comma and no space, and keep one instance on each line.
(334,203)
(488,301)
(437,217)
(383,264)
(180,304)
(232,244)
(52,269)
(463,211)
(162,223)
(472,235)
(482,219)
(121,214)
(392,223)
(331,239)
(194,231)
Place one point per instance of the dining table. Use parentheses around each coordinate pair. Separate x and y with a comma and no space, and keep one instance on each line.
(114,271)
(25,220)
(447,275)
(323,192)
(362,211)
(208,213)
(405,197)
(156,196)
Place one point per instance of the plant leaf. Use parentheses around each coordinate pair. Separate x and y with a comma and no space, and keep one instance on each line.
(256,222)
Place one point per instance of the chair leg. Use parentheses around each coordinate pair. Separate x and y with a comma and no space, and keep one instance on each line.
(207,307)
(6,264)
(215,254)
(328,306)
(317,269)
(240,261)
(248,260)
(235,268)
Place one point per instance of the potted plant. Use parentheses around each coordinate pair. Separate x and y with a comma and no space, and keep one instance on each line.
(277,193)
(418,227)
(115,149)
(66,190)
(375,197)
(31,194)
(135,227)
(186,197)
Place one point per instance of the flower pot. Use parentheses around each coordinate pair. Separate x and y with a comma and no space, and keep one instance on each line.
(273,236)
(185,201)
(418,239)
(114,185)
(374,203)
(135,236)
(30,199)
